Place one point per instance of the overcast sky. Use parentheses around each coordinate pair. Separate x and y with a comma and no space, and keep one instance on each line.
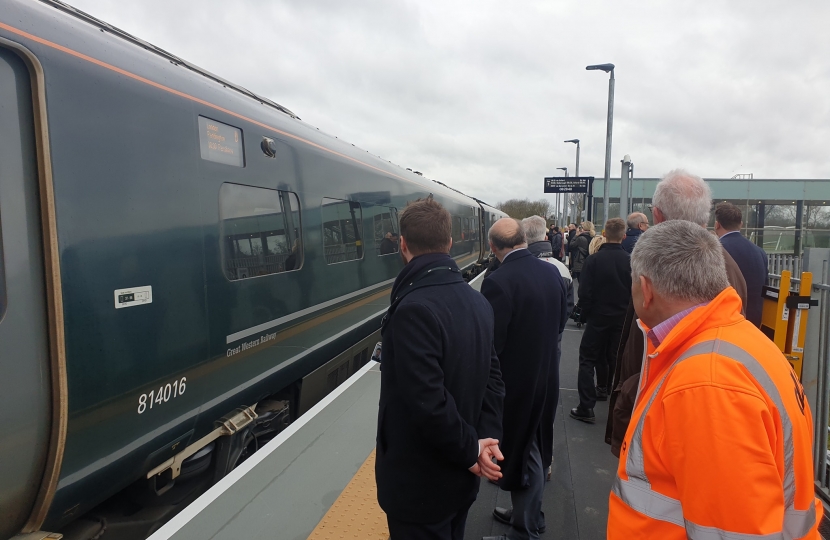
(480,95)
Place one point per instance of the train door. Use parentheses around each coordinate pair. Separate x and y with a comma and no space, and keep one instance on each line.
(25,398)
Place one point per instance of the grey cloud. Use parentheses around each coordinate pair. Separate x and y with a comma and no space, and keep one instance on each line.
(481,95)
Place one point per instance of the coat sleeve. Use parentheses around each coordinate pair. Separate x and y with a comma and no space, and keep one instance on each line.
(502,312)
(586,285)
(566,303)
(432,409)
(569,299)
(490,421)
(718,441)
(736,278)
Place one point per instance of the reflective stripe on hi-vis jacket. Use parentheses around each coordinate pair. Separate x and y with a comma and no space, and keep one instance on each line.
(637,493)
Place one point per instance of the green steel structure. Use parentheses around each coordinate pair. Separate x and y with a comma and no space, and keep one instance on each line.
(780,215)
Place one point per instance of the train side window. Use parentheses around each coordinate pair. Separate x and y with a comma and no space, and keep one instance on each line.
(456,229)
(260,231)
(342,230)
(386,230)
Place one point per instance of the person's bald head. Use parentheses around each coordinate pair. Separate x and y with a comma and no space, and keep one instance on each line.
(506,235)
(636,220)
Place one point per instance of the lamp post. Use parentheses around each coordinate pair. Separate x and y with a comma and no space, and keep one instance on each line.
(576,141)
(625,182)
(563,196)
(608,68)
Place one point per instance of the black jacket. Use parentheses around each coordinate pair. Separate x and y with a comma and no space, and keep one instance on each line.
(555,239)
(605,284)
(579,250)
(752,260)
(528,300)
(568,237)
(441,391)
(631,237)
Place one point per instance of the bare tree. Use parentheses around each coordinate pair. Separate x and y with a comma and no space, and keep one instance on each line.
(522,208)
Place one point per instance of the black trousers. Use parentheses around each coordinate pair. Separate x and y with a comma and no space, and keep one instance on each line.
(451,528)
(597,351)
(527,502)
(551,404)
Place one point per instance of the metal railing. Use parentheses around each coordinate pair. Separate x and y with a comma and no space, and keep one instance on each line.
(821,450)
(778,262)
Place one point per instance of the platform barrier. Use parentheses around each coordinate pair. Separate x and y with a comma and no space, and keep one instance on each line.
(785,315)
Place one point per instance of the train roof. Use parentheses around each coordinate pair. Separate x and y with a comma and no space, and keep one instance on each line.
(344,149)
(161,52)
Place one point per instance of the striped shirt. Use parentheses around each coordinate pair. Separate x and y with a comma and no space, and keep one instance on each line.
(657,334)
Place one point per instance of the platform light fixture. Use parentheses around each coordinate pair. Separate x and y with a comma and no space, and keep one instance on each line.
(607,68)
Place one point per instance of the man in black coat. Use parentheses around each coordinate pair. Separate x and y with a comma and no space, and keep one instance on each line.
(751,259)
(439,418)
(637,225)
(540,248)
(604,291)
(555,239)
(528,299)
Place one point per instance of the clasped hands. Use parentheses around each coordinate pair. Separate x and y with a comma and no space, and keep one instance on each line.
(485,466)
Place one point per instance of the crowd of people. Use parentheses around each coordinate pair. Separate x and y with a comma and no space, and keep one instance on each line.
(706,416)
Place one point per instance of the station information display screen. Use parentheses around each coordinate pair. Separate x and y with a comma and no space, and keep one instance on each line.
(220,142)
(565,184)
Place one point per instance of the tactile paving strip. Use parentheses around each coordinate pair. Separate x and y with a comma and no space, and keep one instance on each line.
(355,514)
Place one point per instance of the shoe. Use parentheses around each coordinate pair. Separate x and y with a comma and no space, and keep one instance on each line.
(503,515)
(583,415)
(602,395)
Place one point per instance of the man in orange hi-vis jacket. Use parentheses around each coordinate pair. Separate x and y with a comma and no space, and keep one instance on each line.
(720,441)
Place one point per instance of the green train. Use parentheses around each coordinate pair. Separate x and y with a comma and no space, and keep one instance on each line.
(185,267)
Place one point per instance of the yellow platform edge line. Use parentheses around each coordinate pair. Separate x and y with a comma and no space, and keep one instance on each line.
(356,513)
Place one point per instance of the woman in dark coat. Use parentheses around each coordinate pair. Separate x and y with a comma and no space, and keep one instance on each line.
(579,248)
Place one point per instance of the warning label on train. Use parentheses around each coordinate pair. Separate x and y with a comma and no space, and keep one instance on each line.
(220,142)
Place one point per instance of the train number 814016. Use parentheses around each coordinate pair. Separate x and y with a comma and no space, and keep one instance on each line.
(164,394)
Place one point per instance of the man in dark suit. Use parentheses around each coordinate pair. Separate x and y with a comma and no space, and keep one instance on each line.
(604,291)
(637,224)
(751,259)
(528,299)
(441,393)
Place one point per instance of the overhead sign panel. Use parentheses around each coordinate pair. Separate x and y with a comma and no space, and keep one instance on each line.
(567,184)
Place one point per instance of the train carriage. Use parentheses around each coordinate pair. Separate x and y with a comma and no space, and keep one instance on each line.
(185,267)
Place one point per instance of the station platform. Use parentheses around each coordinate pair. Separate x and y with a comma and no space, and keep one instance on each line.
(316,479)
